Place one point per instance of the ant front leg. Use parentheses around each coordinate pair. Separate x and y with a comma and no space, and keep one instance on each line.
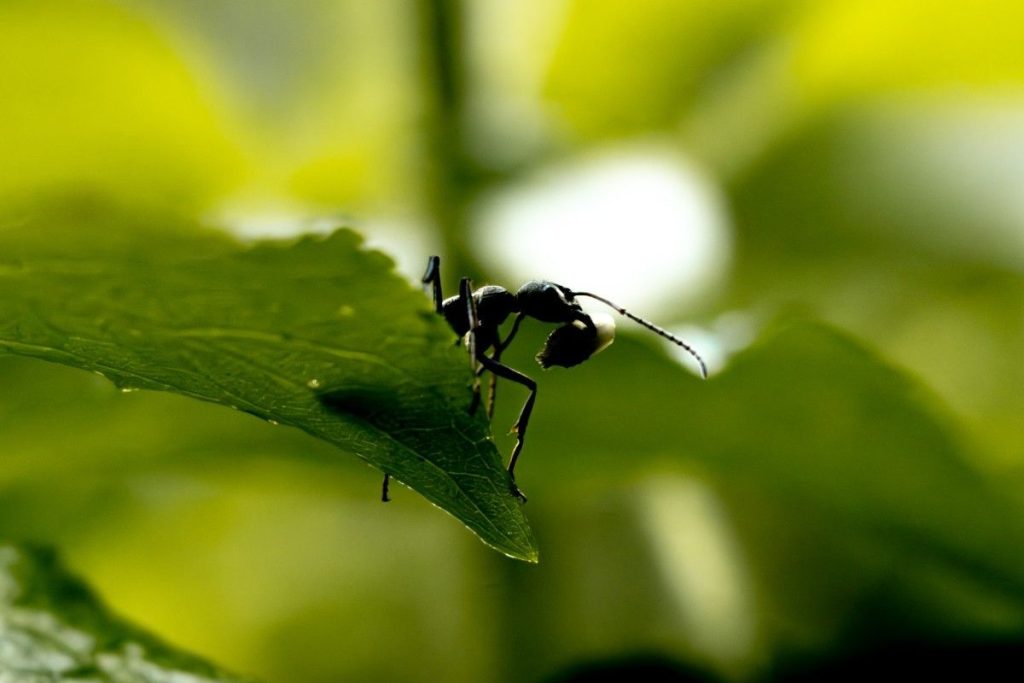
(432,277)
(466,299)
(501,370)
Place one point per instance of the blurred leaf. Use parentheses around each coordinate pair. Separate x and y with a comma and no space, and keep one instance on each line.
(929,277)
(315,334)
(53,628)
(622,68)
(844,478)
(857,457)
(169,505)
(813,416)
(95,96)
(738,78)
(852,49)
(325,97)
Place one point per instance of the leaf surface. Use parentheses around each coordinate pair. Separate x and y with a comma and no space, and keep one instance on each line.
(316,333)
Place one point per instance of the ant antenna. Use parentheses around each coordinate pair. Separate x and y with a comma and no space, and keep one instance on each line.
(653,328)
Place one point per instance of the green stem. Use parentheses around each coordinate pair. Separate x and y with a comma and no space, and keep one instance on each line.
(453,179)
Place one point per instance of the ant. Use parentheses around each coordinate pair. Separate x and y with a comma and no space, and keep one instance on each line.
(476,316)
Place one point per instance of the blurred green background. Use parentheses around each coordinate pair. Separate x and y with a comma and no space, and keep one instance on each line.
(749,173)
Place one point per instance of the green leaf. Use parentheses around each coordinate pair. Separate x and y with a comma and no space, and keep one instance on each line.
(810,416)
(927,274)
(850,508)
(52,628)
(316,334)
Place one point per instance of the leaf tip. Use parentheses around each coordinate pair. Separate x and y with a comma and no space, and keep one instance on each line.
(523,548)
(528,554)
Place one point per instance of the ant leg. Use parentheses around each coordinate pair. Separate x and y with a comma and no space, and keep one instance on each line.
(432,277)
(466,299)
(512,333)
(492,387)
(519,427)
(384,489)
(492,394)
(475,403)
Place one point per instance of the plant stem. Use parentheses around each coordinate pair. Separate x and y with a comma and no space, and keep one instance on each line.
(452,177)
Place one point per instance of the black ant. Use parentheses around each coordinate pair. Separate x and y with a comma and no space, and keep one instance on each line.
(476,316)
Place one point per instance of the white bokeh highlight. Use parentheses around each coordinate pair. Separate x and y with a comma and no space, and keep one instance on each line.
(638,224)
(404,238)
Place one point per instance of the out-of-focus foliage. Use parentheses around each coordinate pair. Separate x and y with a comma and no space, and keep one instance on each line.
(626,69)
(93,96)
(52,628)
(850,483)
(845,493)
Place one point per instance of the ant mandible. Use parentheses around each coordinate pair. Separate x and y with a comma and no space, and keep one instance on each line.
(476,316)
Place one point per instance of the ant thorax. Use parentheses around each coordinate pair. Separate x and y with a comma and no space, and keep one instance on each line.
(494,305)
(548,302)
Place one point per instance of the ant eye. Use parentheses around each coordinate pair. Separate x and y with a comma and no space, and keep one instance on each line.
(574,342)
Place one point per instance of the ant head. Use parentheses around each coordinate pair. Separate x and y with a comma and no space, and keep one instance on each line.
(575,342)
(650,326)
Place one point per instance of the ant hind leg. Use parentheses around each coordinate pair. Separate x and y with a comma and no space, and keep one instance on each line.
(504,371)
